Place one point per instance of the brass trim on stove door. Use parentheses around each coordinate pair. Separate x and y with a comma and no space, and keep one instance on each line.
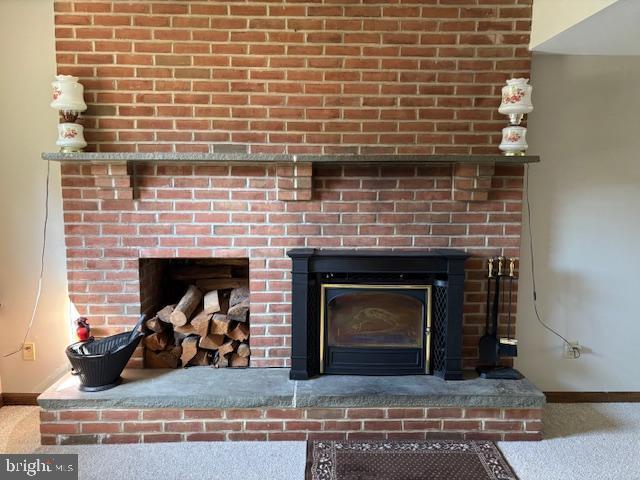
(322,296)
(427,333)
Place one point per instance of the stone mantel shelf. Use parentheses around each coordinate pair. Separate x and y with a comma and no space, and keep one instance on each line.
(115,173)
(284,158)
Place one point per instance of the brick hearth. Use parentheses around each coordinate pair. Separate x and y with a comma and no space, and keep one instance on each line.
(201,403)
(68,427)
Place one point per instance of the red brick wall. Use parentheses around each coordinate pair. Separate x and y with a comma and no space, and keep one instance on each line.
(197,210)
(332,76)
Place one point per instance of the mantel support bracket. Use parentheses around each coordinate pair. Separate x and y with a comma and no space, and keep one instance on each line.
(115,180)
(472,182)
(294,181)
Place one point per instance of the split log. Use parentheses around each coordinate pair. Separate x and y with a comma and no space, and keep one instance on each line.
(219,324)
(239,311)
(239,295)
(155,325)
(221,283)
(225,348)
(201,359)
(240,333)
(157,341)
(164,359)
(211,341)
(211,302)
(188,303)
(189,349)
(237,361)
(171,357)
(243,350)
(199,325)
(165,314)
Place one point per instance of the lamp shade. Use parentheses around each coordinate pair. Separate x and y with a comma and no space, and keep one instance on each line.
(68,94)
(516,97)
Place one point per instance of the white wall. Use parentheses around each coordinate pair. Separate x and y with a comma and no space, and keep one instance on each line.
(551,17)
(586,226)
(28,127)
(610,31)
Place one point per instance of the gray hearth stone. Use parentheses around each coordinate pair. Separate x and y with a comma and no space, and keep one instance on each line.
(205,387)
(416,391)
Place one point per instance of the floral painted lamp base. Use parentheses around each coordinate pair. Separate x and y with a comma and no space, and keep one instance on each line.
(514,141)
(71,137)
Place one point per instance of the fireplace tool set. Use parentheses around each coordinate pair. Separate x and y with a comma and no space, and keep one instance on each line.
(491,347)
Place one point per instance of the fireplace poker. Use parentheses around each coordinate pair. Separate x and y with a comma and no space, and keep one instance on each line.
(491,347)
(508,347)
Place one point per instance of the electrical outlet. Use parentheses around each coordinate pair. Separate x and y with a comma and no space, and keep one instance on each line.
(572,350)
(29,352)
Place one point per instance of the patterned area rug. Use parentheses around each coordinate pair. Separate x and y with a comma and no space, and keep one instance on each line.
(422,460)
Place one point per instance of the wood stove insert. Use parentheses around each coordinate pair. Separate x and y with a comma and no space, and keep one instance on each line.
(377,312)
(375,329)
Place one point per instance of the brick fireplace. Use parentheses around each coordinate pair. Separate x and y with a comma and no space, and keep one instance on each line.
(226,211)
(296,78)
(241,130)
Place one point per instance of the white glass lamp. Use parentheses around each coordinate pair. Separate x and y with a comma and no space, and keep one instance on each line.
(68,99)
(516,103)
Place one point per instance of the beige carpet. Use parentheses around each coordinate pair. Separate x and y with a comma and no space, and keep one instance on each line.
(19,428)
(599,441)
(585,441)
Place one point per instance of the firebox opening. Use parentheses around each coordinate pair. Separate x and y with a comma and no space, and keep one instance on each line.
(375,329)
(197,311)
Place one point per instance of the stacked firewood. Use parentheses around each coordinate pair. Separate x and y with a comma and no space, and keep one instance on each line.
(206,327)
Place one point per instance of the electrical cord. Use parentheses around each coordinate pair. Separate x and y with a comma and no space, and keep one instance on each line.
(42,257)
(576,351)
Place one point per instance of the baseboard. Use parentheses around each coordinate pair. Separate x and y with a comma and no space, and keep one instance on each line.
(592,397)
(19,399)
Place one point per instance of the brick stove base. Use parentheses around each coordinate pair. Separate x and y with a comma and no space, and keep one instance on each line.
(63,427)
(263,404)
